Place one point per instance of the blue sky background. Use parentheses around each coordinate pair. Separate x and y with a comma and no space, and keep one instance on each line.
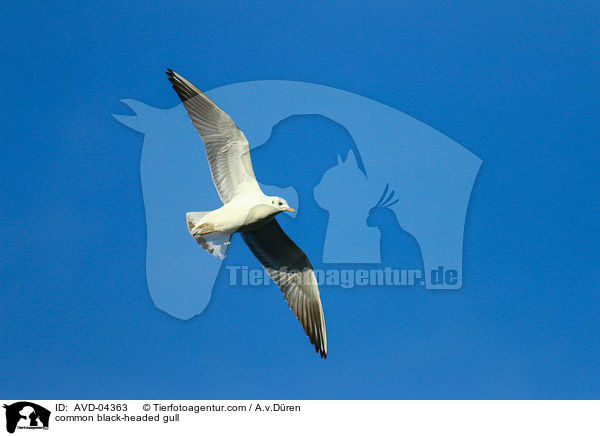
(514,82)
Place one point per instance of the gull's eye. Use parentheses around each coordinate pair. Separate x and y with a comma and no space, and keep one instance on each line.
(280,203)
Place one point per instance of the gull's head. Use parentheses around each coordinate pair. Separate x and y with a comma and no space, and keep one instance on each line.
(280,204)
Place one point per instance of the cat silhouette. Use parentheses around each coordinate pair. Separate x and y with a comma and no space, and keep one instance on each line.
(347,195)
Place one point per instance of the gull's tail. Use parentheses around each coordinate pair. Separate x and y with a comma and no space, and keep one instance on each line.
(216,243)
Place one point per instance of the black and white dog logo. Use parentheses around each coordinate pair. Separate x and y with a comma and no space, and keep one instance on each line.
(26,415)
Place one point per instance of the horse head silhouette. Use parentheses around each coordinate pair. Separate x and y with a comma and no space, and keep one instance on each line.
(436,175)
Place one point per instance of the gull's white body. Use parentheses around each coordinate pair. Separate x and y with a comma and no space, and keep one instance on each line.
(242,213)
(247,212)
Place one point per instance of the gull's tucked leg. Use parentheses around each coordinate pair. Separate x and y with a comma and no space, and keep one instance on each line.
(199,226)
(207,232)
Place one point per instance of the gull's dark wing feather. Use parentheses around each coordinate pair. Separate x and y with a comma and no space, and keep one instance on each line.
(226,146)
(290,268)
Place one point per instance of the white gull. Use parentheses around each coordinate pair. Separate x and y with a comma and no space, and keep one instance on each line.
(247,210)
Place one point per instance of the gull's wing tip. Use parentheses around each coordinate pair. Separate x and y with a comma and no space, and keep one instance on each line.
(320,344)
(173,76)
(183,87)
(322,350)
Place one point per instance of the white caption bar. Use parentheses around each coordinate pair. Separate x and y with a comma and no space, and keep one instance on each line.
(159,417)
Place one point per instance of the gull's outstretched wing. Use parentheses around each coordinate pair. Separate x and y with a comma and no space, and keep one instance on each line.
(226,146)
(290,268)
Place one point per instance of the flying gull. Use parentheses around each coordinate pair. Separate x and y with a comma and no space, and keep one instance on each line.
(247,210)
